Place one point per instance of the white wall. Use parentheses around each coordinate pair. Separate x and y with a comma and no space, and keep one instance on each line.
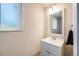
(26,42)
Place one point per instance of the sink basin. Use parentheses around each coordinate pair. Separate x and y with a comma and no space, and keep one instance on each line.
(55,41)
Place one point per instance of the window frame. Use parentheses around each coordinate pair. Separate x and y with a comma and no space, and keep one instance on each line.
(19,28)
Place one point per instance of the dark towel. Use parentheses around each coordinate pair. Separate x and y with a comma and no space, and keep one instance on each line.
(70,38)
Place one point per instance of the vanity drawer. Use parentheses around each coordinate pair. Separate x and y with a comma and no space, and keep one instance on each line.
(50,46)
(51,52)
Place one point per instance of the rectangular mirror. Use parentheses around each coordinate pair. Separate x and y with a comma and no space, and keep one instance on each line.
(56,22)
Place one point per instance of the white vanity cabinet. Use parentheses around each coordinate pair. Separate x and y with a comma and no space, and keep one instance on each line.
(52,47)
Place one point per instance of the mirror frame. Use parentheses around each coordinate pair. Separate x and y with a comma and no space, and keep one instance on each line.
(49,25)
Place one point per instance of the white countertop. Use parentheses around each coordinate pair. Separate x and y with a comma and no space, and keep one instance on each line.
(57,42)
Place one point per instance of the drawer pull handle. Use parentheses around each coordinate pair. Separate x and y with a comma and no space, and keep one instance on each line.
(47,52)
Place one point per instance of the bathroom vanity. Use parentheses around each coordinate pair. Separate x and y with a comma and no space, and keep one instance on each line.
(53,44)
(52,47)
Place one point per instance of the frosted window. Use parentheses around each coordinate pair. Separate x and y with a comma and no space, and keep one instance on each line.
(10,16)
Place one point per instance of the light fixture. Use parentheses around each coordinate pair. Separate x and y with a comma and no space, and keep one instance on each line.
(50,11)
(53,9)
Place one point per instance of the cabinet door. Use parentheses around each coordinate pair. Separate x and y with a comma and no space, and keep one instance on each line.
(44,49)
